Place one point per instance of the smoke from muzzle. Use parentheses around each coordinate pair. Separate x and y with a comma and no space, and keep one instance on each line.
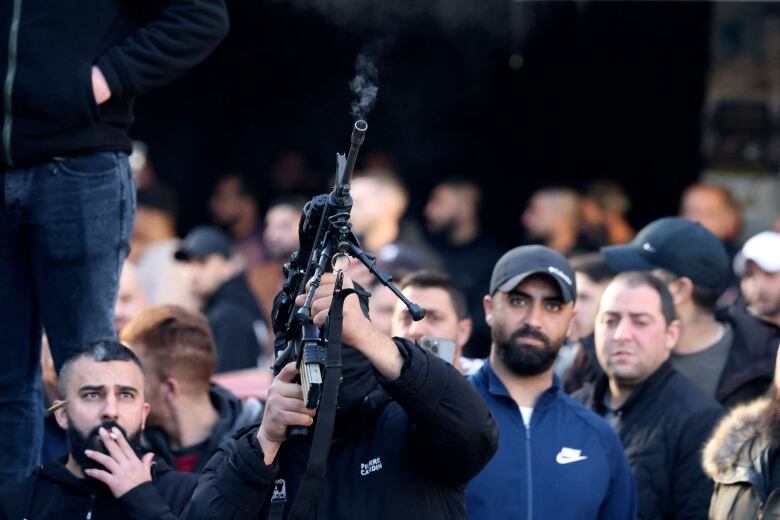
(364,84)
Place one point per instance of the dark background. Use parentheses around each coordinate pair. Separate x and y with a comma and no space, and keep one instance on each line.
(605,90)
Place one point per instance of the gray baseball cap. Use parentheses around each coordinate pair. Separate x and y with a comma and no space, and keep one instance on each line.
(521,262)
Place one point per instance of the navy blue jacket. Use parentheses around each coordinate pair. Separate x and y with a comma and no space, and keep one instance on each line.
(568,463)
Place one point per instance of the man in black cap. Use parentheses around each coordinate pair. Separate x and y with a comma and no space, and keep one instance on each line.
(232,310)
(549,442)
(717,352)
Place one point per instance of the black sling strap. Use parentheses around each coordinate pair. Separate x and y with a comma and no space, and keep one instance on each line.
(326,417)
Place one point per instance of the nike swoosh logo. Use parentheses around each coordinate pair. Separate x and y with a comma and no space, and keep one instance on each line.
(561,459)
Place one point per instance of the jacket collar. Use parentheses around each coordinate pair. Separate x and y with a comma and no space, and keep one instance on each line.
(496,387)
(651,386)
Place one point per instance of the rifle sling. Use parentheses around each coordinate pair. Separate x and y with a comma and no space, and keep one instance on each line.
(326,417)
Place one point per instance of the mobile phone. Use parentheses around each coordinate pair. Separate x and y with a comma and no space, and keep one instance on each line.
(443,348)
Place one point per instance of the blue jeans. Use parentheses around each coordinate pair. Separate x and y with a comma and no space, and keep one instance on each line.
(64,233)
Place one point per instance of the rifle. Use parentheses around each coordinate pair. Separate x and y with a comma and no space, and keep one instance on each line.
(326,242)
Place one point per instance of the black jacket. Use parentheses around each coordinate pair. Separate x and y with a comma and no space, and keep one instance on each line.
(663,426)
(53,492)
(751,360)
(233,415)
(417,442)
(48,108)
(237,322)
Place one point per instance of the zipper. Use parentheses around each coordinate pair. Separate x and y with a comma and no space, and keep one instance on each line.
(91,506)
(13,41)
(528,472)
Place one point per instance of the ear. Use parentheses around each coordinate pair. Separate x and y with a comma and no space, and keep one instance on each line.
(464,332)
(487,304)
(571,331)
(171,389)
(673,331)
(144,415)
(61,416)
(681,289)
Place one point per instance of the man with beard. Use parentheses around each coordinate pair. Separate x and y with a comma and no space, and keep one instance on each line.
(103,409)
(409,434)
(556,459)
(468,253)
(742,459)
(662,418)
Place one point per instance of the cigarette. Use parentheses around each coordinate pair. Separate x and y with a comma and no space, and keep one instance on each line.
(56,406)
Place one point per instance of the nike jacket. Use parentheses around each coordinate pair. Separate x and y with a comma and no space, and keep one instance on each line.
(568,463)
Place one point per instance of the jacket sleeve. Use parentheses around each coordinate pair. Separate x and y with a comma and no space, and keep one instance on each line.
(622,500)
(182,34)
(144,503)
(455,434)
(235,484)
(691,488)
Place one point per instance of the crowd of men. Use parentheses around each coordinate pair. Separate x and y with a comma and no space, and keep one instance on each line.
(591,372)
(636,378)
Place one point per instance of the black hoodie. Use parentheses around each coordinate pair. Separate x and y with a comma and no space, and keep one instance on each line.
(47,50)
(233,415)
(53,492)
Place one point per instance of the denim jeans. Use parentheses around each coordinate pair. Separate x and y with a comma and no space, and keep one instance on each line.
(64,233)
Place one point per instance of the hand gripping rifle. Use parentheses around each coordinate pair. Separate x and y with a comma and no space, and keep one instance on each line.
(326,242)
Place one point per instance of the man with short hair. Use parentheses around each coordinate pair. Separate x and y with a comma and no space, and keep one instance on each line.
(232,310)
(552,218)
(716,351)
(446,315)
(550,444)
(190,416)
(107,475)
(661,417)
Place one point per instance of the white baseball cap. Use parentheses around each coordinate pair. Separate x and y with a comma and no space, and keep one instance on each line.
(763,249)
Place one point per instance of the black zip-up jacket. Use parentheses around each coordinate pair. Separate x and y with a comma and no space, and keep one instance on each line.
(751,360)
(54,493)
(418,441)
(663,426)
(233,414)
(47,50)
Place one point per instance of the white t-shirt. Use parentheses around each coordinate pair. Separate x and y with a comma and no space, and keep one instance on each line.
(526,412)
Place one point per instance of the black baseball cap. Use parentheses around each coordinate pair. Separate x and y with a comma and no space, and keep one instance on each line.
(678,245)
(203,241)
(521,262)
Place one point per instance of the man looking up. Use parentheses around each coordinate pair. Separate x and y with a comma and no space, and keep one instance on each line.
(549,442)
(106,475)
